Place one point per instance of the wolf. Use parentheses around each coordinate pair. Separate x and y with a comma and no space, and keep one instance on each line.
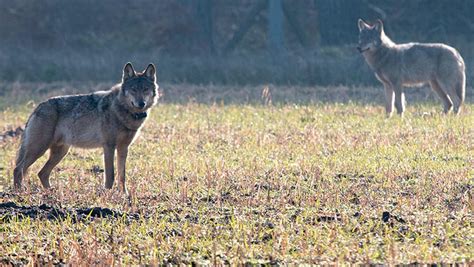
(109,119)
(412,64)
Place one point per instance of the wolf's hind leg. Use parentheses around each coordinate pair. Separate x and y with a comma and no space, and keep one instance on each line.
(35,141)
(447,103)
(457,102)
(37,138)
(56,154)
(28,154)
(460,91)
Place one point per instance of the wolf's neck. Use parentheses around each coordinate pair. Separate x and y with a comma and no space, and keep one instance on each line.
(377,58)
(128,118)
(387,41)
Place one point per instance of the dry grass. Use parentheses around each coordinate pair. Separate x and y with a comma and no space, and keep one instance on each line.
(248,183)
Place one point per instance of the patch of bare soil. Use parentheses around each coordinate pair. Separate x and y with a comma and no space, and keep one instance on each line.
(10,210)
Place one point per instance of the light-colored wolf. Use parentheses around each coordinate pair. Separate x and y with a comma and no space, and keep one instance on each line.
(108,119)
(412,64)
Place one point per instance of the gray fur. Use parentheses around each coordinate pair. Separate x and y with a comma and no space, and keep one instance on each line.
(412,64)
(108,119)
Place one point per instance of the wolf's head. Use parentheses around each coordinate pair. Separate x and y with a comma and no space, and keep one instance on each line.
(371,37)
(139,89)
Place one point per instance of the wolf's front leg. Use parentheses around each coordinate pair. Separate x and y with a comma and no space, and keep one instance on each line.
(109,151)
(122,152)
(400,101)
(389,100)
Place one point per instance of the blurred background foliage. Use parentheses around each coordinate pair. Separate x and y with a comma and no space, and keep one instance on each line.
(216,41)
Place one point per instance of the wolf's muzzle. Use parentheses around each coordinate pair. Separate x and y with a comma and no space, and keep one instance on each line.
(141,104)
(362,50)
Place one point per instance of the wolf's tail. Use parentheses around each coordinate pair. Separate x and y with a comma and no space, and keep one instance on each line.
(36,139)
(20,157)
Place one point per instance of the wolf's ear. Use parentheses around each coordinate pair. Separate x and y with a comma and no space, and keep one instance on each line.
(128,72)
(379,25)
(362,25)
(150,72)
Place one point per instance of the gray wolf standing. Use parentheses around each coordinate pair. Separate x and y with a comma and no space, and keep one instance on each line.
(411,64)
(108,119)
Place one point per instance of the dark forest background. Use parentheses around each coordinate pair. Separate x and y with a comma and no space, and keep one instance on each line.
(216,41)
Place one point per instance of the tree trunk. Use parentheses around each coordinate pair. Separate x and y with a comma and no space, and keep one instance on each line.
(275,26)
(204,11)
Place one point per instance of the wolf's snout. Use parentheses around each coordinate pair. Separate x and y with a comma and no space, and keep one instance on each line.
(141,104)
(362,50)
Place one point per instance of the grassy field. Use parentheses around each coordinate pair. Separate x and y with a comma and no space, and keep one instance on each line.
(292,182)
